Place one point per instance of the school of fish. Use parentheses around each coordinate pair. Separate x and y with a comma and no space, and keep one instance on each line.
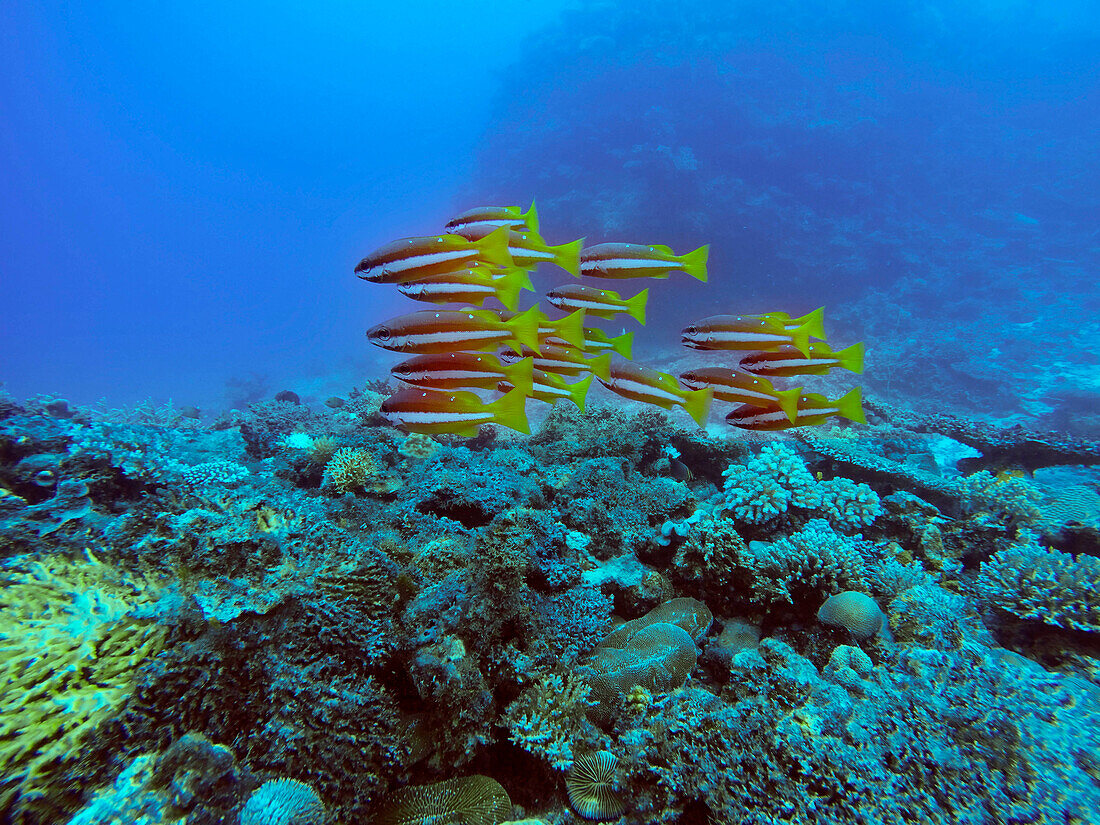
(487,253)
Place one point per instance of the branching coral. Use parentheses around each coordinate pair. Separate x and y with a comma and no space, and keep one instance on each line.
(549,716)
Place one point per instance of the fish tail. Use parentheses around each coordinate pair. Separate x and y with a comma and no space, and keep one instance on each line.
(624,345)
(525,329)
(507,288)
(493,248)
(600,366)
(511,410)
(788,402)
(571,328)
(635,307)
(814,323)
(578,391)
(852,357)
(695,263)
(521,374)
(850,406)
(531,218)
(525,278)
(697,404)
(800,338)
(568,256)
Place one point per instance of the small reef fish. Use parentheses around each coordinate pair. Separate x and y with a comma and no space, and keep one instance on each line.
(596,340)
(490,217)
(726,332)
(568,361)
(635,260)
(568,330)
(652,387)
(461,370)
(814,322)
(450,330)
(601,303)
(408,259)
(818,359)
(742,388)
(545,386)
(433,412)
(469,286)
(813,409)
(528,249)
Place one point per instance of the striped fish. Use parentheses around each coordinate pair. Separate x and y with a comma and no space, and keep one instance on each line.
(408,259)
(813,409)
(567,361)
(449,330)
(469,286)
(652,387)
(546,386)
(601,303)
(819,359)
(433,412)
(726,332)
(482,218)
(461,370)
(635,260)
(813,321)
(742,388)
(528,249)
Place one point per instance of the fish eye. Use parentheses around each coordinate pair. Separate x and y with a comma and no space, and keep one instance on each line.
(402,369)
(691,330)
(382,333)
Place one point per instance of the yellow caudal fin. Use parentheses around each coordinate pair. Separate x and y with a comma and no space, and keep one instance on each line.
(852,357)
(600,366)
(493,248)
(695,263)
(623,344)
(814,322)
(850,406)
(571,328)
(568,256)
(531,218)
(511,410)
(507,288)
(578,391)
(521,374)
(800,339)
(635,307)
(788,402)
(525,329)
(697,404)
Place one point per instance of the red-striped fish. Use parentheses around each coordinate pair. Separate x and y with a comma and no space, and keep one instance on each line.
(635,260)
(462,370)
(813,409)
(528,249)
(546,386)
(469,286)
(462,413)
(742,388)
(488,218)
(652,387)
(814,322)
(456,329)
(817,360)
(568,361)
(408,259)
(726,332)
(601,303)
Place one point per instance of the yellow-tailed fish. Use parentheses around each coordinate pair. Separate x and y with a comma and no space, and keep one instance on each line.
(733,332)
(528,249)
(488,218)
(742,388)
(813,409)
(601,303)
(456,329)
(596,340)
(652,387)
(568,361)
(817,360)
(461,370)
(814,322)
(635,260)
(550,388)
(462,413)
(469,286)
(410,258)
(569,329)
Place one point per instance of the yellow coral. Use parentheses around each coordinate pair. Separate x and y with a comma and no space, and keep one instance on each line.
(348,470)
(69,647)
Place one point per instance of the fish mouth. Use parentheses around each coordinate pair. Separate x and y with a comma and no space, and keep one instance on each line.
(368,271)
(687,341)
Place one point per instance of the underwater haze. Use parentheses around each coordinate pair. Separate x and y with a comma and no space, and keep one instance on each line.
(550,412)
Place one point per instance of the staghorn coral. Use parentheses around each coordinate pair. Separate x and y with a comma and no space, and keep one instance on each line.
(802,566)
(472,800)
(591,786)
(72,635)
(549,717)
(283,802)
(349,470)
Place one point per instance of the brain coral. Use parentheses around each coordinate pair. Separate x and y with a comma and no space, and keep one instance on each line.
(854,611)
(590,785)
(472,800)
(283,802)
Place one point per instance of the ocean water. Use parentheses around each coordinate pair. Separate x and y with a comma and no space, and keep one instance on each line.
(255,571)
